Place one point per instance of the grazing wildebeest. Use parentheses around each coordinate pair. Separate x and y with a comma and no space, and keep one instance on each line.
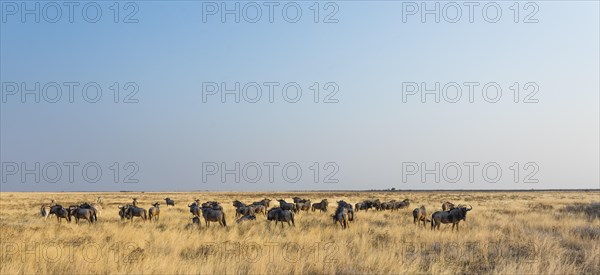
(322,206)
(401,204)
(246,218)
(453,216)
(60,212)
(447,206)
(169,202)
(420,215)
(342,216)
(154,211)
(287,206)
(134,211)
(281,215)
(84,211)
(213,212)
(195,209)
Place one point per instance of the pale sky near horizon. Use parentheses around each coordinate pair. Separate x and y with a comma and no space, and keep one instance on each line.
(368,130)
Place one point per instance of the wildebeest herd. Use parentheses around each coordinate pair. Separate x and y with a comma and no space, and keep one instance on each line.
(212,211)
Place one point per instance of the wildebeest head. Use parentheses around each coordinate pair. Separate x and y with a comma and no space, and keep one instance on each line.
(156,204)
(463,210)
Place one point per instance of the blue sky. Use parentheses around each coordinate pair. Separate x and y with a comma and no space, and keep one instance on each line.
(171,136)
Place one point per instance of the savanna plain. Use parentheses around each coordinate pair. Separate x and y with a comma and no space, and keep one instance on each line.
(543,232)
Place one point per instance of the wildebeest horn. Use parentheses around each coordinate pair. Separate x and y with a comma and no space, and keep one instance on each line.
(470,207)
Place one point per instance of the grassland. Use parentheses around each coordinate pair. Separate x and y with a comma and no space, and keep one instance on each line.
(505,233)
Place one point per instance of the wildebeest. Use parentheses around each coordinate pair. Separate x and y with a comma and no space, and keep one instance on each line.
(365,205)
(453,216)
(447,206)
(287,206)
(195,208)
(246,218)
(154,211)
(241,209)
(83,211)
(60,212)
(303,205)
(213,212)
(281,215)
(265,202)
(401,204)
(322,206)
(420,215)
(341,215)
(245,210)
(134,211)
(169,202)
(349,209)
(122,211)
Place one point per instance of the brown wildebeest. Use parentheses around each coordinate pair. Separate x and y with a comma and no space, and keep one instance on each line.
(420,215)
(447,206)
(281,215)
(154,211)
(453,216)
(322,206)
(60,212)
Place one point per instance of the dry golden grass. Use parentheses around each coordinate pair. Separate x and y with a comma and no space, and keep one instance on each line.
(506,233)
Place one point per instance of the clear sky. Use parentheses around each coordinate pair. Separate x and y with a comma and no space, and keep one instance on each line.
(368,130)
